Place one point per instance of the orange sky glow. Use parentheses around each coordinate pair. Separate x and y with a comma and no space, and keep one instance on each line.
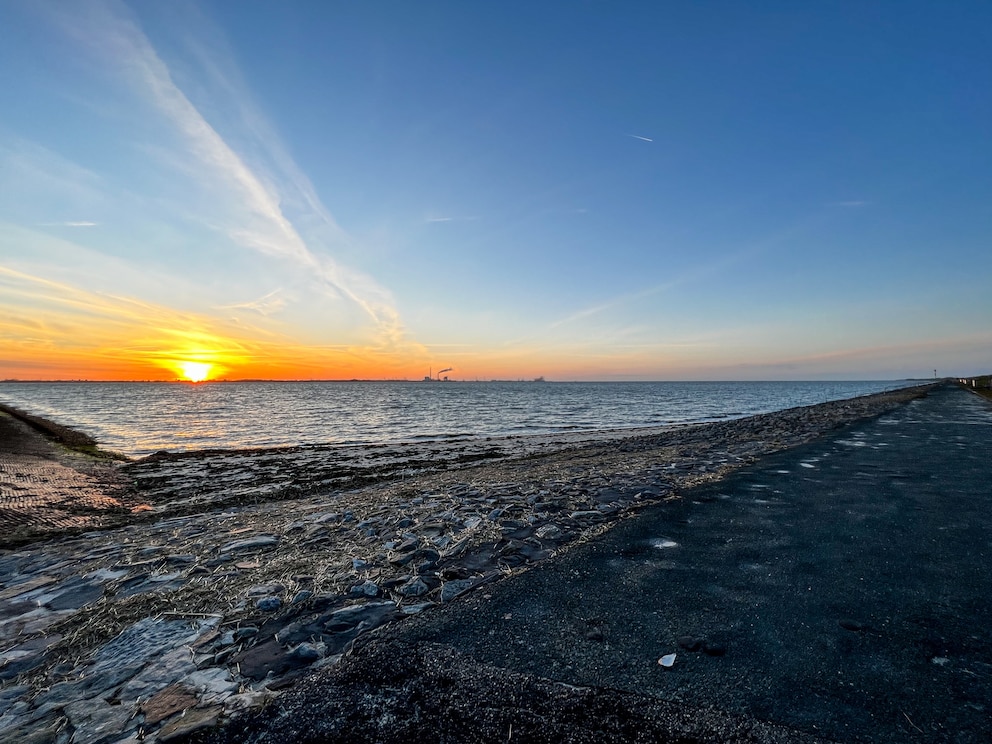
(52,330)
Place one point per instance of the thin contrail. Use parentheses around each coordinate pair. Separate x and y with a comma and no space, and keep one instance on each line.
(644,139)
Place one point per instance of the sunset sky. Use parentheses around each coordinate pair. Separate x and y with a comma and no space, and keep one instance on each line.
(579,190)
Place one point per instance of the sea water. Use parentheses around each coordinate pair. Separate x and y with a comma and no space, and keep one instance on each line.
(138,418)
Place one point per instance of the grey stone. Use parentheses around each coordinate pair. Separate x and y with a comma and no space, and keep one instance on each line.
(167,702)
(366,589)
(161,673)
(96,681)
(135,585)
(213,685)
(164,578)
(245,631)
(10,696)
(451,589)
(106,574)
(124,657)
(415,587)
(586,515)
(192,721)
(305,652)
(548,532)
(371,614)
(327,517)
(261,590)
(25,656)
(400,559)
(252,543)
(247,701)
(78,595)
(266,658)
(96,721)
(425,559)
(42,731)
(136,565)
(268,604)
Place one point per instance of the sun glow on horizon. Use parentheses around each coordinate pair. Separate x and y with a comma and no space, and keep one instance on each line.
(195,371)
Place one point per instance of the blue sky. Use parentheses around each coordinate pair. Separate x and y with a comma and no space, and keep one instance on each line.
(576,190)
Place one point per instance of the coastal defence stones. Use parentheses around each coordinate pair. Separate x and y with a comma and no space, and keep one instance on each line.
(95,721)
(220,626)
(143,659)
(189,722)
(159,672)
(173,699)
(147,639)
(268,604)
(455,588)
(76,595)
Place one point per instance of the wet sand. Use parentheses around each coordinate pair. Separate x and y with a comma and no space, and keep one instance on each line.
(46,487)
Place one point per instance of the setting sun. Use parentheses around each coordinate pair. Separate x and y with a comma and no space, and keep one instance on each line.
(195,371)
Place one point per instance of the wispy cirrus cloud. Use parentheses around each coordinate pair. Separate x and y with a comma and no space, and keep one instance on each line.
(68,224)
(450,219)
(267,305)
(253,198)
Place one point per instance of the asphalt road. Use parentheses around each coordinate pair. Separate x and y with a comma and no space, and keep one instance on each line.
(841,590)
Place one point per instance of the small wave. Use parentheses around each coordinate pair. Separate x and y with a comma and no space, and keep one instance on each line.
(147,417)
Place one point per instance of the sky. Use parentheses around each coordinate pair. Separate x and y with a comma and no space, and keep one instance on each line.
(574,190)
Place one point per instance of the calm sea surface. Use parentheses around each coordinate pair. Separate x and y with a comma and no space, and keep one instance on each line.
(139,418)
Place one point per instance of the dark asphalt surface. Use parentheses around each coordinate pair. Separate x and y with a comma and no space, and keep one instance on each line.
(839,590)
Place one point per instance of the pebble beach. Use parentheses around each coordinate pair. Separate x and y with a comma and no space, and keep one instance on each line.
(155,599)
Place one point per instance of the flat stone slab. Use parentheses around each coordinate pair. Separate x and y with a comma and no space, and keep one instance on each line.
(173,699)
(258,542)
(76,596)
